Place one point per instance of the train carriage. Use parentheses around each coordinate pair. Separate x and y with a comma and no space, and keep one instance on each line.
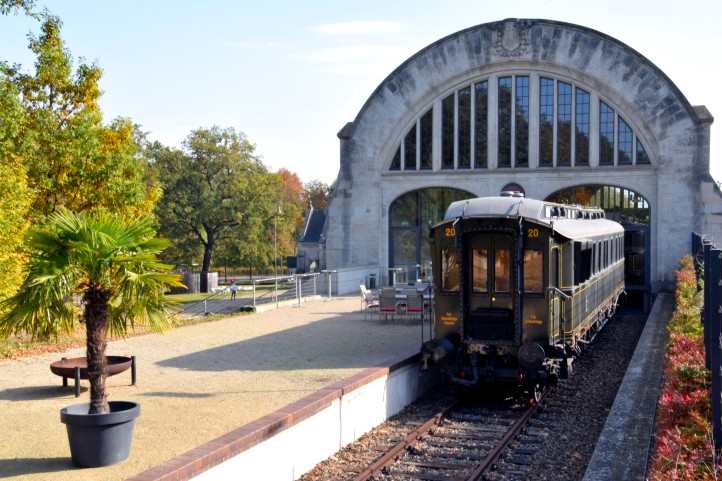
(519,284)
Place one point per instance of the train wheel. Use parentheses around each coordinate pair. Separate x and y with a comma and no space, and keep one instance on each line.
(535,393)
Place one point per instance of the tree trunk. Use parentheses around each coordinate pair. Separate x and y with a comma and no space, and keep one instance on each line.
(207,255)
(96,327)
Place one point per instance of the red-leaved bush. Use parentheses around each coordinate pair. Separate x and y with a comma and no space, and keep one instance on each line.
(684,450)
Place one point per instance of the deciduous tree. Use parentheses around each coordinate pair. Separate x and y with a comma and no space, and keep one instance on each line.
(215,189)
(75,161)
(15,198)
(317,193)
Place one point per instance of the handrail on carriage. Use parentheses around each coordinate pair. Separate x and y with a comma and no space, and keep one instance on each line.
(560,292)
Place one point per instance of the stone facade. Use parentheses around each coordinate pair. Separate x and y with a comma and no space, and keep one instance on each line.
(681,194)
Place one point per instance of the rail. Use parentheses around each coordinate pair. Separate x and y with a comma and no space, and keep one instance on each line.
(473,472)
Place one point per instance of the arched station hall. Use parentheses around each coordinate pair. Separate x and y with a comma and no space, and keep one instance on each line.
(559,111)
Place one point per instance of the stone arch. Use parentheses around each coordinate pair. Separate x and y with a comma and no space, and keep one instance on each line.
(410,214)
(645,95)
(634,212)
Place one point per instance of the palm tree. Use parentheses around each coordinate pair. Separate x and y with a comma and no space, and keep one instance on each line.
(108,262)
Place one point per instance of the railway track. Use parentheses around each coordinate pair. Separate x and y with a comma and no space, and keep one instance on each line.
(462,442)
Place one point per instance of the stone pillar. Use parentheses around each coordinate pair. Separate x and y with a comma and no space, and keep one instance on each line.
(436,129)
(593,129)
(493,115)
(533,120)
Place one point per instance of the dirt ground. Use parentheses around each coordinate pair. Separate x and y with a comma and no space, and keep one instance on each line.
(195,383)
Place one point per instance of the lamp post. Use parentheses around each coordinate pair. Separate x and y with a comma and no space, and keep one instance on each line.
(275,250)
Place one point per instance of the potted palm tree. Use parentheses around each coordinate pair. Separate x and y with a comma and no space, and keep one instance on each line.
(111,265)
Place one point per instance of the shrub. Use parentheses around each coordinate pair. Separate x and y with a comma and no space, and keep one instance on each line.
(684,449)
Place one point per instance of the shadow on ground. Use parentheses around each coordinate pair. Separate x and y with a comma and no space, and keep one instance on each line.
(20,466)
(334,343)
(37,393)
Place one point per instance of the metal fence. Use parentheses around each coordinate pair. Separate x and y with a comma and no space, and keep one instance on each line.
(266,290)
(708,265)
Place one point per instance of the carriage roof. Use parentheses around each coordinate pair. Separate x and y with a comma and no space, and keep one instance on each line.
(573,222)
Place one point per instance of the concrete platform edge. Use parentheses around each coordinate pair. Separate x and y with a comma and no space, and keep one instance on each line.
(622,450)
(286,443)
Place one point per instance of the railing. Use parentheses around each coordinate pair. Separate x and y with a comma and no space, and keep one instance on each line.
(266,290)
(708,265)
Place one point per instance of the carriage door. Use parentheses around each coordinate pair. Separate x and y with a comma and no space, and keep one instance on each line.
(489,309)
(555,304)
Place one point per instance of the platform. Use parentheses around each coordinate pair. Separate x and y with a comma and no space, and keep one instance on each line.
(195,383)
(623,447)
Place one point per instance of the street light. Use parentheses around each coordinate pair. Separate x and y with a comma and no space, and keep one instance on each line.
(275,250)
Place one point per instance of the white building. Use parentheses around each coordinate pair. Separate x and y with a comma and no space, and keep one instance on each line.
(560,111)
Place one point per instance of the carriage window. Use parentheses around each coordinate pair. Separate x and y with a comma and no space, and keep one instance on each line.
(480,263)
(449,270)
(502,270)
(533,271)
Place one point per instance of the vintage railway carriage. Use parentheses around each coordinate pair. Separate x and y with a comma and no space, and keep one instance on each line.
(519,285)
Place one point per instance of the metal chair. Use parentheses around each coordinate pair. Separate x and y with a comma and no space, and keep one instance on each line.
(387,302)
(414,302)
(368,301)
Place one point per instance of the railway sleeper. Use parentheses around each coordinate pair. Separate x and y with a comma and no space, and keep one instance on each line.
(424,475)
(456,444)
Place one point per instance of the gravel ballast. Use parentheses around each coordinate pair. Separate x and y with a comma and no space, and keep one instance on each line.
(569,419)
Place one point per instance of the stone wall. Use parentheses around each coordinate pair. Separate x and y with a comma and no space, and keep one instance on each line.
(675,134)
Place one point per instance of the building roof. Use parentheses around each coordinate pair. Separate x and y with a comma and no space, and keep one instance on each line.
(537,211)
(313,228)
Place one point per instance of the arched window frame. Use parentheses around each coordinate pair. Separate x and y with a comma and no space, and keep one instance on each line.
(489,83)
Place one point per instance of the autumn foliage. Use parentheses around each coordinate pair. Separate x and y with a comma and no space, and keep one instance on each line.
(684,450)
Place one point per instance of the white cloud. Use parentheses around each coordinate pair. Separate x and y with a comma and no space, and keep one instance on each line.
(357,27)
(357,60)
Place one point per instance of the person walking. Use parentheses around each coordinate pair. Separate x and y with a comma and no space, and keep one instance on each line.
(234,288)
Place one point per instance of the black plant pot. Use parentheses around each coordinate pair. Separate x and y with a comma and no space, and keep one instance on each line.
(100,439)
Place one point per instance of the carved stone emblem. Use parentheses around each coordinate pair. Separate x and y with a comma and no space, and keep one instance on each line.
(511,38)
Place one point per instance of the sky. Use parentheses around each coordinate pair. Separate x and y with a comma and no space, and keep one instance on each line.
(290,74)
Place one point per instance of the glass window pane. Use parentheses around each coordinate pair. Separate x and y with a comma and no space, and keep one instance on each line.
(642,157)
(480,260)
(396,161)
(427,140)
(606,134)
(404,210)
(502,270)
(449,270)
(404,242)
(522,122)
(533,270)
(581,127)
(504,122)
(447,132)
(564,124)
(464,120)
(546,122)
(624,143)
(480,124)
(410,150)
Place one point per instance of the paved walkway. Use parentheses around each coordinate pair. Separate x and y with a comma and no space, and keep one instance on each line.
(194,383)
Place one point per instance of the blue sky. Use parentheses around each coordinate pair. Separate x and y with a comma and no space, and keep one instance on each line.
(290,74)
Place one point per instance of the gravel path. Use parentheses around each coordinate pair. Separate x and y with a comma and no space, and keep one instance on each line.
(195,383)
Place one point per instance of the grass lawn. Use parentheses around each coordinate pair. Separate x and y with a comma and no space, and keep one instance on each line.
(199,296)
